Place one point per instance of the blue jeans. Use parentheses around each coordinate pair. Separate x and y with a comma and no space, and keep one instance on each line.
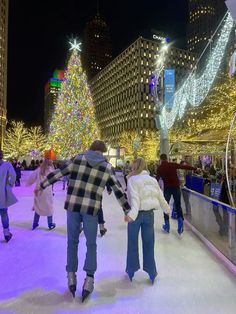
(4,218)
(175,192)
(37,216)
(145,221)
(90,224)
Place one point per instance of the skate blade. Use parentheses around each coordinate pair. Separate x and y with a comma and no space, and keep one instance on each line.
(72,289)
(85,295)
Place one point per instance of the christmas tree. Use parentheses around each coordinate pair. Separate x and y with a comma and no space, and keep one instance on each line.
(73,126)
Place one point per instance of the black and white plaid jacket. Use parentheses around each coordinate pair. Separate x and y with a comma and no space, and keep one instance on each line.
(88,175)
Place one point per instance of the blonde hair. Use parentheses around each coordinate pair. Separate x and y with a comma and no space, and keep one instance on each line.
(46,165)
(138,166)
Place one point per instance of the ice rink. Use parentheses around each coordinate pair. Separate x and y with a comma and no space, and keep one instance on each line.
(33,277)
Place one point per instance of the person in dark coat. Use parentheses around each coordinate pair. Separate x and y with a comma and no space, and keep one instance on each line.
(168,172)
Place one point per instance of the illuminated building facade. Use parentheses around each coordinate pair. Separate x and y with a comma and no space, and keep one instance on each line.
(204,16)
(121,90)
(3,67)
(97,48)
(51,91)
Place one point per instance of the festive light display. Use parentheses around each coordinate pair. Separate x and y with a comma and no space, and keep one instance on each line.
(146,148)
(73,126)
(20,141)
(195,89)
(204,129)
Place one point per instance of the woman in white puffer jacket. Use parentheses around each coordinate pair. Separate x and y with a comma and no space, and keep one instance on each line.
(144,195)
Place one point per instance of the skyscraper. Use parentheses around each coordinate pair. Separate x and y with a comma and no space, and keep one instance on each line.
(97,48)
(204,16)
(3,66)
(121,91)
(51,91)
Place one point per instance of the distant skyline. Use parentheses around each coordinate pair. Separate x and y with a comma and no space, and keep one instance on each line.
(39,32)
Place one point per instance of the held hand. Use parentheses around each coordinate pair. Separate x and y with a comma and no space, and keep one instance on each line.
(128,219)
(37,191)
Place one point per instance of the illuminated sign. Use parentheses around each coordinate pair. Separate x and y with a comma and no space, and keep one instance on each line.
(169,88)
(166,39)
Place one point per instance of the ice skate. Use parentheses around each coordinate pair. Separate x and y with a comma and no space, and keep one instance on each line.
(174,214)
(152,278)
(166,226)
(130,275)
(72,282)
(51,226)
(180,225)
(35,225)
(88,287)
(7,234)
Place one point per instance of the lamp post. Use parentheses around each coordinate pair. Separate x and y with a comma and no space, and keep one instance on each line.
(156,85)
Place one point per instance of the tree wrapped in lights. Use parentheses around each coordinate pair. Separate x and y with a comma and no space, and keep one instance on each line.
(209,122)
(37,141)
(73,126)
(151,145)
(148,144)
(20,141)
(127,141)
(15,142)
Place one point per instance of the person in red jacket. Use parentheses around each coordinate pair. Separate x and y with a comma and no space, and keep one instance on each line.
(168,172)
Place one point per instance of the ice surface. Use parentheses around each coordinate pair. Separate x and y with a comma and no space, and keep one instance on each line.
(33,277)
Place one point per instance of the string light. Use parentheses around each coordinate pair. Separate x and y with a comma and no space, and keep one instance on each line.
(206,126)
(195,89)
(73,126)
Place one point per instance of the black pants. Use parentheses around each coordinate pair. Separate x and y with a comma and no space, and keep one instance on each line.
(222,220)
(125,178)
(175,192)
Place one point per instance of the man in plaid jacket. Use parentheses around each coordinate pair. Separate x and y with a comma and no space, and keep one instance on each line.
(88,174)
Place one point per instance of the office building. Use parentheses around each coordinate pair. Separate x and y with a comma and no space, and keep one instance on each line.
(3,67)
(204,17)
(51,91)
(121,90)
(97,47)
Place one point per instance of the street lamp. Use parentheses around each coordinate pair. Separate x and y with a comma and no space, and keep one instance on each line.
(156,85)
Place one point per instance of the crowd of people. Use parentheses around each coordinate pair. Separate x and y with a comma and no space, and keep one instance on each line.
(88,174)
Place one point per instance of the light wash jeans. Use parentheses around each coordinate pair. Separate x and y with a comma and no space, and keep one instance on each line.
(145,222)
(90,224)
(4,218)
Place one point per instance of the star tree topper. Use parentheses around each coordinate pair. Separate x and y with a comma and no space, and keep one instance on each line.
(75,45)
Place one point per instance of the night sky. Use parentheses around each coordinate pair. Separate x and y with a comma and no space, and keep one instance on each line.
(39,32)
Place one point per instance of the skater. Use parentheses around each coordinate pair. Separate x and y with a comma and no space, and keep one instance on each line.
(126,170)
(17,168)
(144,195)
(88,174)
(219,190)
(168,172)
(7,198)
(101,221)
(43,203)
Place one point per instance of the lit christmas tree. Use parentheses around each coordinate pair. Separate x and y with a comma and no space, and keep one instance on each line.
(73,126)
